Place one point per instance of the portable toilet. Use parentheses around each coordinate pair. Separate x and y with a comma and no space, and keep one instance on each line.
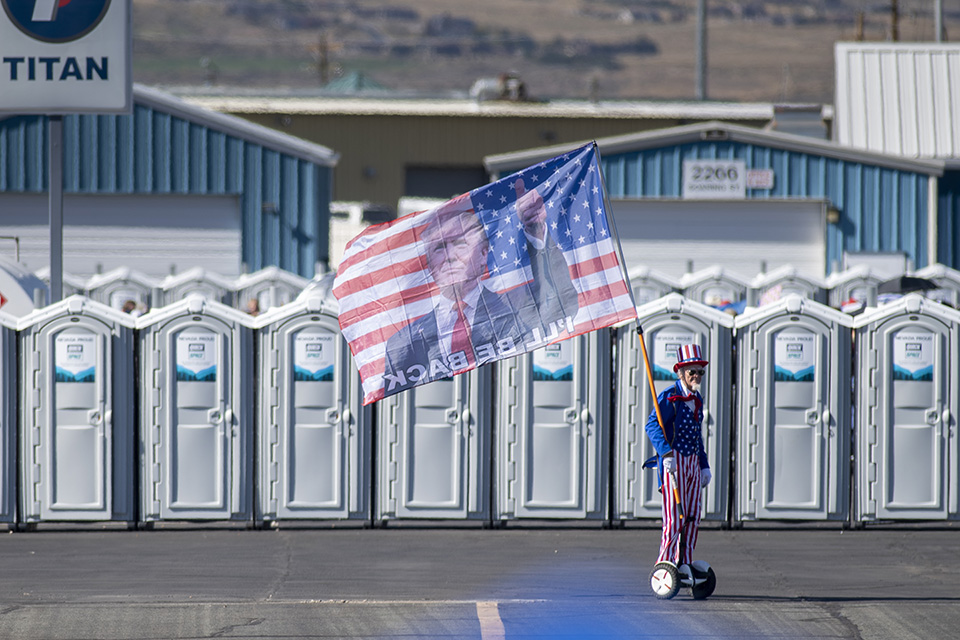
(669,323)
(20,289)
(434,448)
(649,285)
(270,287)
(553,431)
(947,281)
(72,285)
(783,281)
(855,286)
(714,286)
(314,434)
(77,418)
(118,287)
(908,399)
(793,395)
(212,286)
(8,419)
(196,412)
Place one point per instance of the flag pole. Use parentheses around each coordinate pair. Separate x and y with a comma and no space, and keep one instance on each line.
(613,226)
(656,408)
(643,343)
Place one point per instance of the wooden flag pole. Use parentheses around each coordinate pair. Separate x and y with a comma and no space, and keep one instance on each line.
(656,408)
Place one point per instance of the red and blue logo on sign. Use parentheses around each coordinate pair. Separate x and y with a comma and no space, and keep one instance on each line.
(56,20)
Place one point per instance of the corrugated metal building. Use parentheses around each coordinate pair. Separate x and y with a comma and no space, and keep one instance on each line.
(802,202)
(434,147)
(904,99)
(170,187)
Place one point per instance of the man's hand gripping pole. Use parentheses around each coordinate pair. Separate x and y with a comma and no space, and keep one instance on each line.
(656,408)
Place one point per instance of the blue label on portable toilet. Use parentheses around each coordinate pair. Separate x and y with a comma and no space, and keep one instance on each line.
(313,357)
(553,362)
(196,357)
(913,355)
(76,358)
(794,358)
(665,346)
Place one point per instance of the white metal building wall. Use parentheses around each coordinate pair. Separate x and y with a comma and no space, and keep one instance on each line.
(145,233)
(666,234)
(902,99)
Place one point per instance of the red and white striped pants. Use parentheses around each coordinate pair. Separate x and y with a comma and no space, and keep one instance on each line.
(687,481)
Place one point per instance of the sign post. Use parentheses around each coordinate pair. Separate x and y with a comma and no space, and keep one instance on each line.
(59,57)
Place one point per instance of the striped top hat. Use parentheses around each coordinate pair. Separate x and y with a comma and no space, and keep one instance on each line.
(688,355)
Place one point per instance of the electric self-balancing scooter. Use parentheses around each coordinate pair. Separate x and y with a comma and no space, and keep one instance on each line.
(666,577)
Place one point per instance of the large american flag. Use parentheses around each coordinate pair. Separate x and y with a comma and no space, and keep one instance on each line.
(383,283)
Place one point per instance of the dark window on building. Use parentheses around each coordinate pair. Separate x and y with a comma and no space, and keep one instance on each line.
(442,182)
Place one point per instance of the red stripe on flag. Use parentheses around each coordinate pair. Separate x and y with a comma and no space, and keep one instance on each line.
(378,335)
(594,265)
(600,294)
(374,278)
(395,301)
(390,243)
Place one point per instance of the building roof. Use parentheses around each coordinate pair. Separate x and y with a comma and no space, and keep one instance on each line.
(899,98)
(713,132)
(234,126)
(465,107)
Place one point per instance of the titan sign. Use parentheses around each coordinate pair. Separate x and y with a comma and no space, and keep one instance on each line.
(65,56)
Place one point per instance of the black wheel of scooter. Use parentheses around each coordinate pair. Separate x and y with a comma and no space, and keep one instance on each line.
(705,589)
(664,580)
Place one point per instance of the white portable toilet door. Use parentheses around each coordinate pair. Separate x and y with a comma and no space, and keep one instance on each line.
(552,451)
(432,457)
(664,337)
(76,402)
(315,422)
(793,434)
(199,440)
(914,379)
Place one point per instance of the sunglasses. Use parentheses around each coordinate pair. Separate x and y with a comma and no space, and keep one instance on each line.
(696,372)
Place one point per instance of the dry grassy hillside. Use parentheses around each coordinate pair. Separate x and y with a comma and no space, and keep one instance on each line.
(765,51)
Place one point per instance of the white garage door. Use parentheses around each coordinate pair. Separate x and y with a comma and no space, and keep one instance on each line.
(152,234)
(737,235)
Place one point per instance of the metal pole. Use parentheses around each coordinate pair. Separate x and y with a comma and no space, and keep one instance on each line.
(56,208)
(701,45)
(938,20)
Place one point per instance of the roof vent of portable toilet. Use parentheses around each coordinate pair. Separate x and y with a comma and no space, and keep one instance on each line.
(77,419)
(793,396)
(267,288)
(947,281)
(784,281)
(314,434)
(716,287)
(8,418)
(908,365)
(853,289)
(196,412)
(212,286)
(124,289)
(667,324)
(649,285)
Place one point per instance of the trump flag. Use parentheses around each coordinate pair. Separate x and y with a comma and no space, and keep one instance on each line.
(510,267)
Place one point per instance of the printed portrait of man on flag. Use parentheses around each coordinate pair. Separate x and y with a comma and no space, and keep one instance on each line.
(502,270)
(471,323)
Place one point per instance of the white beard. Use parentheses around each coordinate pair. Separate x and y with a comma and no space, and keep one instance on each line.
(693,386)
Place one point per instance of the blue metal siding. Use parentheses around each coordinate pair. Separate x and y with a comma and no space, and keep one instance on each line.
(881,209)
(285,200)
(948,219)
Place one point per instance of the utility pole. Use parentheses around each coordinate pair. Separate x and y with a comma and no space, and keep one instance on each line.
(701,45)
(895,20)
(938,21)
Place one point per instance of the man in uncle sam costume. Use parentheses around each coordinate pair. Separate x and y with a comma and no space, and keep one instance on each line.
(682,465)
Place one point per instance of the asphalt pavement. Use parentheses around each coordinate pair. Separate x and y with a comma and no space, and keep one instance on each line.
(429,582)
